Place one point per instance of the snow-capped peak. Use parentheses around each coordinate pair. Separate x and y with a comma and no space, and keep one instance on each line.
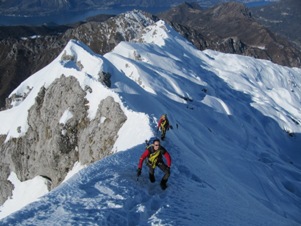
(157,33)
(139,16)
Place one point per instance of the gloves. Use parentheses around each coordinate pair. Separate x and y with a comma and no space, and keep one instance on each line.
(138,172)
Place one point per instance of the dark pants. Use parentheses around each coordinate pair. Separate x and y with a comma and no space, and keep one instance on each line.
(163,132)
(163,167)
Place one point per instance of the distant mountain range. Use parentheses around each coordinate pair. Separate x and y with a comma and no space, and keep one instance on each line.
(17,7)
(282,17)
(42,7)
(231,28)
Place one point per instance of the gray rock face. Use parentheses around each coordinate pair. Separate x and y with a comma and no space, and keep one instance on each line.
(6,186)
(103,37)
(51,148)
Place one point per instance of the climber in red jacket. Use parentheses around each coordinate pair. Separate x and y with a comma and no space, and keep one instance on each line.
(155,153)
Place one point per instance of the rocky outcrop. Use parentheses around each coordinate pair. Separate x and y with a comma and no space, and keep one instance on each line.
(51,145)
(6,186)
(103,37)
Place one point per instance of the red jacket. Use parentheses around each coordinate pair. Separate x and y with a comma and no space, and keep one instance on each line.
(147,152)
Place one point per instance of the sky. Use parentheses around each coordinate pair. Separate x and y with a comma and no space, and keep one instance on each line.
(234,143)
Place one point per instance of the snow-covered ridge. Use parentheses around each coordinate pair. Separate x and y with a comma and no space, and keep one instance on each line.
(271,89)
(233,162)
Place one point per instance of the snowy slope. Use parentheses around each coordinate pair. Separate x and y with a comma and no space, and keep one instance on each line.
(234,162)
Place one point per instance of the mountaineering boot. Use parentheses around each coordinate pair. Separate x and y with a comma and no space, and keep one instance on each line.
(152,178)
(163,184)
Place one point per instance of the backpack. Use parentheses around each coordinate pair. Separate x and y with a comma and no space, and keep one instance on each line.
(165,122)
(153,157)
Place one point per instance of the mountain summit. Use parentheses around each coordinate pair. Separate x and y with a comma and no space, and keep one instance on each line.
(234,146)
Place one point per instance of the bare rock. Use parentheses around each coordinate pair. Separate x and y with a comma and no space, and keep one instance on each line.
(51,148)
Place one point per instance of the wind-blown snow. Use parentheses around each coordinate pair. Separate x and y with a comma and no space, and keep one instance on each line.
(235,143)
